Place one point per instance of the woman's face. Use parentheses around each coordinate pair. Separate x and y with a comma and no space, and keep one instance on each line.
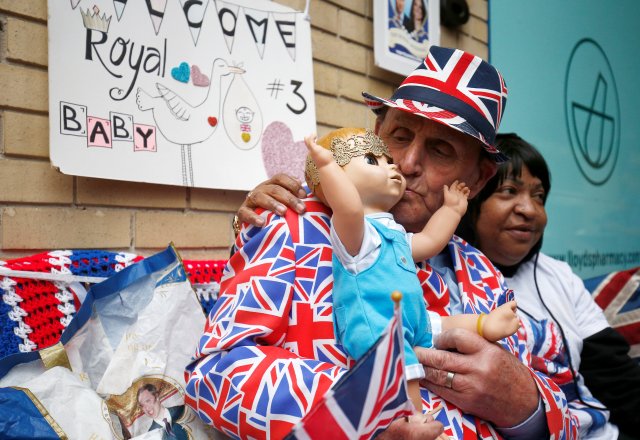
(512,219)
(418,11)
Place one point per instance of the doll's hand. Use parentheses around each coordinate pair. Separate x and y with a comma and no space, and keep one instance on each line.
(420,427)
(455,197)
(501,322)
(321,156)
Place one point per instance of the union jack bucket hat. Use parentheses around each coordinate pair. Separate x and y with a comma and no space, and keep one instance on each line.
(454,88)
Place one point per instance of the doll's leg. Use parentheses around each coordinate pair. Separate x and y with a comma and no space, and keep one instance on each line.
(414,394)
(500,323)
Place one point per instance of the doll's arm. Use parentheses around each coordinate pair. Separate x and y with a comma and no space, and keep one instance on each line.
(442,224)
(342,196)
(498,324)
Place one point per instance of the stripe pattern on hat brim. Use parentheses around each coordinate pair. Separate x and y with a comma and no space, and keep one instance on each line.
(437,114)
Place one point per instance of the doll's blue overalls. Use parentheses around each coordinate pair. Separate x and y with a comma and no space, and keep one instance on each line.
(362,304)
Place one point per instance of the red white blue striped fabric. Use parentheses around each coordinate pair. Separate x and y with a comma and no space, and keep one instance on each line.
(454,88)
(618,294)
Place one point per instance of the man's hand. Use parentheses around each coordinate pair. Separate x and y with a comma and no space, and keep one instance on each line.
(274,194)
(417,428)
(488,381)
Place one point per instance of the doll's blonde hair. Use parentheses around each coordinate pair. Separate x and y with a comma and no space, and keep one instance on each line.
(345,144)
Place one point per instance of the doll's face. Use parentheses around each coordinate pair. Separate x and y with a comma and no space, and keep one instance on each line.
(377,180)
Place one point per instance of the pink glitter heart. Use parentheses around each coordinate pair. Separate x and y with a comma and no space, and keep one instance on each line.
(280,153)
(199,79)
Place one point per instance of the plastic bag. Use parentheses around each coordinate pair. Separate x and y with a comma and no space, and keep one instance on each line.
(117,371)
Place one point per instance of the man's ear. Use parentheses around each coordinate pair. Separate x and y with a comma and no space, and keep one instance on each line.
(487,168)
(379,120)
(376,129)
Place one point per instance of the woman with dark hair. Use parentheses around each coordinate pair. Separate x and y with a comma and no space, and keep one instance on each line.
(415,21)
(567,333)
(522,157)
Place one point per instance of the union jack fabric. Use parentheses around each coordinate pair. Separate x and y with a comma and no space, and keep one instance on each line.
(367,398)
(549,356)
(618,294)
(268,353)
(455,88)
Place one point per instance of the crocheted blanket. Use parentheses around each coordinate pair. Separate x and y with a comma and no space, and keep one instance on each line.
(41,293)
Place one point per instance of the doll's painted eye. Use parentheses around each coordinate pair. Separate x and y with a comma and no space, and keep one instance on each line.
(370,159)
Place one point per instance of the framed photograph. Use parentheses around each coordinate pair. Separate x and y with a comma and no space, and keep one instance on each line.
(403,32)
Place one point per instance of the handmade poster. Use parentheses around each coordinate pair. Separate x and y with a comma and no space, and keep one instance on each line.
(200,93)
(404,29)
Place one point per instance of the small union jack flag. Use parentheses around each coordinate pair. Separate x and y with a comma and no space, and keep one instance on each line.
(368,398)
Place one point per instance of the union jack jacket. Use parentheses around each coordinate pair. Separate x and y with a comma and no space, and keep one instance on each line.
(268,351)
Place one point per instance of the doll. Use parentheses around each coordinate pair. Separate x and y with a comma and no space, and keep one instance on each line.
(352,171)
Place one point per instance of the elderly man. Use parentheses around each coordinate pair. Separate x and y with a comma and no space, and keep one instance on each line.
(268,350)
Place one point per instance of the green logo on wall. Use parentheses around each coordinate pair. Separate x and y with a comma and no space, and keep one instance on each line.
(592,111)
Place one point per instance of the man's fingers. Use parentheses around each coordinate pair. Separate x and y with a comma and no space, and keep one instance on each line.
(275,195)
(246,215)
(441,359)
(270,197)
(460,340)
(445,367)
(439,377)
(280,198)
(293,185)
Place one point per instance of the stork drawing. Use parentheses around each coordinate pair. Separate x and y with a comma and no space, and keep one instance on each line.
(182,123)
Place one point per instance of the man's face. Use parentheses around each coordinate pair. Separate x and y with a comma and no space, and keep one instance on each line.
(399,6)
(149,404)
(430,155)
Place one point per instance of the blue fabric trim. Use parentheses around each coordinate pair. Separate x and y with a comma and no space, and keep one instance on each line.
(20,418)
(12,360)
(115,283)
(125,277)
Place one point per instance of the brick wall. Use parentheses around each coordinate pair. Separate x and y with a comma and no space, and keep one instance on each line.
(42,209)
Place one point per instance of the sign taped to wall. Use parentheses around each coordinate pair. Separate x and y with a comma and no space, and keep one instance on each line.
(200,93)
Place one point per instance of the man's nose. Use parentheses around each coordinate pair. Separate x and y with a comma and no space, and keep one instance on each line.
(409,160)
